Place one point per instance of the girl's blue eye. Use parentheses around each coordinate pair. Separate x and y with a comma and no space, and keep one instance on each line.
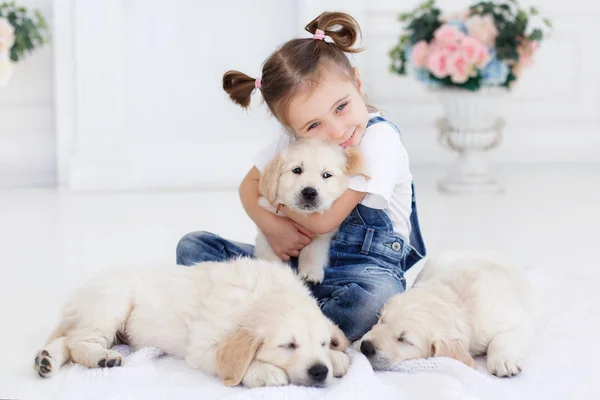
(313,126)
(341,107)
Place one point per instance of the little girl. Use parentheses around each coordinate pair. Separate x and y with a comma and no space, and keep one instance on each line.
(311,88)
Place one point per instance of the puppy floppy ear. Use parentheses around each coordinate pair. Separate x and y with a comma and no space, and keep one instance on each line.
(269,179)
(354,163)
(453,349)
(234,356)
(338,339)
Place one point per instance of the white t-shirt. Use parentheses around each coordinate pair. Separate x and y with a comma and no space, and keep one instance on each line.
(386,161)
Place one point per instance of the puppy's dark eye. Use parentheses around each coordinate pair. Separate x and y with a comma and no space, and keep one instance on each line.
(327,175)
(324,344)
(289,346)
(297,170)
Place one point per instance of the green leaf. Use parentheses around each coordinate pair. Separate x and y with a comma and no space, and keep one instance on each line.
(533,11)
(536,35)
(404,17)
(30,30)
(547,22)
(509,79)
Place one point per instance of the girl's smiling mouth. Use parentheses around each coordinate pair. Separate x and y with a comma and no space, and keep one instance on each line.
(348,142)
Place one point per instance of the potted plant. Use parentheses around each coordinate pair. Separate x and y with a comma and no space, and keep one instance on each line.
(471,59)
(20,34)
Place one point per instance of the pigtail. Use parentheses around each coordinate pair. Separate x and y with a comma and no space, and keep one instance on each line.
(239,86)
(340,27)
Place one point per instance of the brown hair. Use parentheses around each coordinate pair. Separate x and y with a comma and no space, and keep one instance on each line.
(297,63)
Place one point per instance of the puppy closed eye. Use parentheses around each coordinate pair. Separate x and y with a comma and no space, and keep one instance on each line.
(402,339)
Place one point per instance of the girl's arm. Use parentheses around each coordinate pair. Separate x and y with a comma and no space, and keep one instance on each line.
(330,219)
(249,195)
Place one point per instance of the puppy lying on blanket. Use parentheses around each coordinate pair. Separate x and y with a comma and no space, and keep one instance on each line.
(461,304)
(246,321)
(307,177)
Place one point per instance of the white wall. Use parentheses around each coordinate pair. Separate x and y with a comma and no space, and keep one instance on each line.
(27,138)
(139,102)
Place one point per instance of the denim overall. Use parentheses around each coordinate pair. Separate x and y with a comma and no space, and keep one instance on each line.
(367,262)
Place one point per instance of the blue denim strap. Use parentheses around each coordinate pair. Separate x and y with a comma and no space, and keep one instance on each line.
(416,238)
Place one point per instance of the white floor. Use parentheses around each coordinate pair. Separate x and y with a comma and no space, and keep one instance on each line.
(548,218)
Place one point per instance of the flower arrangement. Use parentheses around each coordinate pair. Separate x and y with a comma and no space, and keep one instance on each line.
(487,45)
(20,34)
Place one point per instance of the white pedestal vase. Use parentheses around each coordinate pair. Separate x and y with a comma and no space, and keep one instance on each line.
(471,126)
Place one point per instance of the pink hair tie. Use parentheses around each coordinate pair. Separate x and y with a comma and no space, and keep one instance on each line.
(258,83)
(319,35)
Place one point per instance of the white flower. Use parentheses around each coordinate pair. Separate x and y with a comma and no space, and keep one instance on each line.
(7,35)
(482,28)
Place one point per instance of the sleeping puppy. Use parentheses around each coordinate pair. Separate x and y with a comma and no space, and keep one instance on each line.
(307,177)
(461,305)
(245,321)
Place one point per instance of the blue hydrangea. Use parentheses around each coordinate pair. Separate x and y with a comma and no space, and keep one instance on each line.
(459,24)
(408,53)
(494,73)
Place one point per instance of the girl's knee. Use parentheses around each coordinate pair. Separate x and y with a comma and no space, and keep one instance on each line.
(196,247)
(356,308)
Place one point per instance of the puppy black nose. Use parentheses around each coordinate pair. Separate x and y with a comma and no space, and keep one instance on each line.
(318,372)
(367,348)
(309,193)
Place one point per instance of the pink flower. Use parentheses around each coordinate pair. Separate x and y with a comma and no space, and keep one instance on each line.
(475,51)
(450,48)
(7,35)
(483,57)
(459,68)
(437,63)
(419,54)
(526,50)
(448,34)
(482,28)
(471,48)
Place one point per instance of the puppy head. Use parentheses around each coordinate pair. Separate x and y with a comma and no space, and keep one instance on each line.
(290,333)
(309,175)
(416,324)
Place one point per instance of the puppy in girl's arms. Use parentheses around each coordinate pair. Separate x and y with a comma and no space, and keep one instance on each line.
(307,177)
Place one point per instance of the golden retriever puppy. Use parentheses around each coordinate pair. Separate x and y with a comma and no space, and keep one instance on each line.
(245,321)
(462,304)
(307,177)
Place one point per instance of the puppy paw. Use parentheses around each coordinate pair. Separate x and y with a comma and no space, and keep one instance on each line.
(312,276)
(340,363)
(503,366)
(44,364)
(109,359)
(263,374)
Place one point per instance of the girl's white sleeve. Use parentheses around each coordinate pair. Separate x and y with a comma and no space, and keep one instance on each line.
(269,152)
(387,165)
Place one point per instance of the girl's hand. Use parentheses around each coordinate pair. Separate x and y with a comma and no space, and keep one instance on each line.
(286,237)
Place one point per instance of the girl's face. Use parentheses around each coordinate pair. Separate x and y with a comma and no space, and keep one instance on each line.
(334,110)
